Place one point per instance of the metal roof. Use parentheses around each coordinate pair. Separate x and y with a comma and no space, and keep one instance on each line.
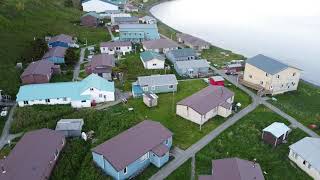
(195,41)
(69,124)
(309,149)
(185,52)
(277,129)
(125,148)
(199,63)
(61,38)
(150,55)
(160,150)
(217,78)
(126,20)
(157,80)
(102,60)
(137,26)
(43,67)
(55,52)
(159,44)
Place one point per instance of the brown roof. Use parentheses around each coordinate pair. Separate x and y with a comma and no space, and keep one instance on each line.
(130,145)
(159,43)
(101,60)
(61,38)
(55,52)
(234,169)
(160,150)
(207,99)
(42,67)
(115,44)
(30,158)
(192,39)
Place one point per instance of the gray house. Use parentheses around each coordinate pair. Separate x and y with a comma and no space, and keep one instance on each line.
(192,68)
(184,54)
(70,127)
(154,84)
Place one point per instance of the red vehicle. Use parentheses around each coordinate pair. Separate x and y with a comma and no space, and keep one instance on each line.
(216,81)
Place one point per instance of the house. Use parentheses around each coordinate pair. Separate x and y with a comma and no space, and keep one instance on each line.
(275,134)
(34,156)
(101,65)
(271,75)
(39,72)
(127,154)
(148,20)
(193,42)
(192,68)
(184,54)
(159,45)
(216,80)
(90,19)
(138,32)
(206,104)
(55,55)
(113,16)
(70,127)
(61,40)
(233,68)
(130,8)
(108,13)
(125,20)
(305,153)
(102,5)
(152,60)
(234,169)
(116,47)
(150,99)
(155,84)
(93,89)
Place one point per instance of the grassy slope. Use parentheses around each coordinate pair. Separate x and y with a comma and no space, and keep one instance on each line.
(36,19)
(243,140)
(183,172)
(303,104)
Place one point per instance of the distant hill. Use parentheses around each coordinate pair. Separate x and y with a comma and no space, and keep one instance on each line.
(23,20)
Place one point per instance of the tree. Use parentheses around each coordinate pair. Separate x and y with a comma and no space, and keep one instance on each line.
(35,51)
(71,57)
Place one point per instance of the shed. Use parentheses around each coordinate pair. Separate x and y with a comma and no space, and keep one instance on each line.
(150,99)
(275,134)
(70,127)
(216,80)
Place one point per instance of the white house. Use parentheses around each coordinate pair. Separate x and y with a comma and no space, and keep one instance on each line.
(152,60)
(306,154)
(116,47)
(98,6)
(93,89)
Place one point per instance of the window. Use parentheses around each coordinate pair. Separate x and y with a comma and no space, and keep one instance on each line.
(278,76)
(100,95)
(294,74)
(154,64)
(91,89)
(83,101)
(250,76)
(293,83)
(145,88)
(261,82)
(64,99)
(167,141)
(47,100)
(125,170)
(25,102)
(267,74)
(304,162)
(170,86)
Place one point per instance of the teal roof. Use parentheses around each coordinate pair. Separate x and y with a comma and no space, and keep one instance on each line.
(149,55)
(71,90)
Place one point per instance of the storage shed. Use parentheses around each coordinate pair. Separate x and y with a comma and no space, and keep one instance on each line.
(70,127)
(276,133)
(150,99)
(216,80)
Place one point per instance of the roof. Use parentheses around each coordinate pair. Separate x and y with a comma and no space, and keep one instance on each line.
(125,148)
(308,148)
(61,38)
(159,44)
(160,150)
(126,19)
(102,60)
(157,80)
(150,55)
(137,26)
(185,52)
(150,95)
(42,67)
(201,63)
(115,44)
(55,52)
(115,2)
(217,78)
(94,14)
(267,64)
(69,124)
(277,129)
(207,99)
(192,40)
(147,18)
(71,90)
(30,158)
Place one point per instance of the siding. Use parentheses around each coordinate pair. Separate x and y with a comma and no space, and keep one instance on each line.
(299,161)
(160,89)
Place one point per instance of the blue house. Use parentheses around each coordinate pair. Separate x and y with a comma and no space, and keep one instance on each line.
(138,32)
(55,55)
(129,153)
(154,84)
(61,40)
(184,54)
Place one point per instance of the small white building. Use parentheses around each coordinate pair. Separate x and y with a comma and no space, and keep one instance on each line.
(148,20)
(152,60)
(117,47)
(98,6)
(306,154)
(150,99)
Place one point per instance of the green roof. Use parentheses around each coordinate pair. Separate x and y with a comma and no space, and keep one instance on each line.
(149,55)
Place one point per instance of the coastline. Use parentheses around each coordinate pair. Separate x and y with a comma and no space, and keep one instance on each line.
(149,7)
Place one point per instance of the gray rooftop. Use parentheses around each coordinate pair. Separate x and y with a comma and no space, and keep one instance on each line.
(185,52)
(147,18)
(157,80)
(207,99)
(267,64)
(277,129)
(159,43)
(69,124)
(124,20)
(201,63)
(115,44)
(309,149)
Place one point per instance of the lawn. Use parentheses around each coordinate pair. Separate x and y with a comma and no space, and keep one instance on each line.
(303,104)
(23,20)
(183,172)
(243,140)
(63,77)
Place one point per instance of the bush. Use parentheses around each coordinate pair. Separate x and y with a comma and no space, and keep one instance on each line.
(71,57)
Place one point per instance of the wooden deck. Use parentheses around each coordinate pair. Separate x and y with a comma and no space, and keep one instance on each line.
(261,90)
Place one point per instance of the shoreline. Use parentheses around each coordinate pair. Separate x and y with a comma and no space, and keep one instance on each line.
(149,7)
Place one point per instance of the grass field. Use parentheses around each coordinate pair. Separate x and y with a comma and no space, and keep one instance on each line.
(243,140)
(22,20)
(303,104)
(183,172)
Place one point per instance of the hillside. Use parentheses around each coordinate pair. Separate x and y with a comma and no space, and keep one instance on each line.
(23,20)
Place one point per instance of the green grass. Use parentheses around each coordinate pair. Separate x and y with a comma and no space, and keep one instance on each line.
(243,140)
(303,104)
(63,77)
(2,123)
(183,172)
(22,20)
